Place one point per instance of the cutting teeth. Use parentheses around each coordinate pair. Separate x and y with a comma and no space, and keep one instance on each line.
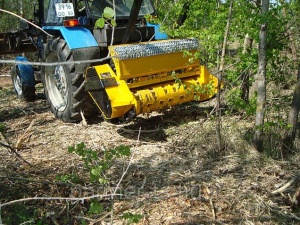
(132,51)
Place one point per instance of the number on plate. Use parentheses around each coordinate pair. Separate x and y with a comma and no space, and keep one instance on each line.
(64,9)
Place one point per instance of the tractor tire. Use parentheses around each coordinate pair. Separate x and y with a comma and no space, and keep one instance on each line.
(23,89)
(63,85)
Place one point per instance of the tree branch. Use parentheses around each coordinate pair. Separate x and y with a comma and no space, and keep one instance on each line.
(286,186)
(15,152)
(59,198)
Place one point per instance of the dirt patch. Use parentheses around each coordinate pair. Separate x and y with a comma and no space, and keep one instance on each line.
(176,175)
(5,78)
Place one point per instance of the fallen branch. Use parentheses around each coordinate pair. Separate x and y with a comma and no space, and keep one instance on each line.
(13,150)
(286,186)
(24,136)
(214,217)
(212,209)
(59,198)
(69,184)
(140,131)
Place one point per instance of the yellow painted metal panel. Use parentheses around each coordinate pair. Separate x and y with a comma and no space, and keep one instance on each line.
(120,96)
(132,68)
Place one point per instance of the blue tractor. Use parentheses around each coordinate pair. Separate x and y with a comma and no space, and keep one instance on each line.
(139,76)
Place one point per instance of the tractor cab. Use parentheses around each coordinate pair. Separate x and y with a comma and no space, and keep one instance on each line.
(129,16)
(54,12)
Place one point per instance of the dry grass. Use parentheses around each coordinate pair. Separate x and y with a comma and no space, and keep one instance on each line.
(177,175)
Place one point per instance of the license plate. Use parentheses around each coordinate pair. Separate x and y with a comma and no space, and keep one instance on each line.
(64,9)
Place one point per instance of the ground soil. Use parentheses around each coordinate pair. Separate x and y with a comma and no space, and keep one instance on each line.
(176,174)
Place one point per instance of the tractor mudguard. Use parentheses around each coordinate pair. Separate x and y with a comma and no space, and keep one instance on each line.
(23,80)
(76,37)
(26,72)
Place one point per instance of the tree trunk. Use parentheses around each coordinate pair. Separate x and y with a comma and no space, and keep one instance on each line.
(247,48)
(261,80)
(293,117)
(220,75)
(290,134)
(291,37)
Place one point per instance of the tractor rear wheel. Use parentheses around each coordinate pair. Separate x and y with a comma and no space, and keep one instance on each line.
(64,86)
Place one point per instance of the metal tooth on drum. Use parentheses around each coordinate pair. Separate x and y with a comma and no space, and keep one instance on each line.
(154,48)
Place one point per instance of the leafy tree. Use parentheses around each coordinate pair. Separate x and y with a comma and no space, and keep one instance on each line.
(207,21)
(21,7)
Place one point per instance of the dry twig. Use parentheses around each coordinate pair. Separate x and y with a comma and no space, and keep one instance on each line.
(13,150)
(124,173)
(209,194)
(286,186)
(24,136)
(59,198)
(84,122)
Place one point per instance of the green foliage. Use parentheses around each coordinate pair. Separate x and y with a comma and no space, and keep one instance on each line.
(274,129)
(236,103)
(207,89)
(107,17)
(2,127)
(97,165)
(9,22)
(83,222)
(198,89)
(178,81)
(132,218)
(95,207)
(108,13)
(19,214)
(152,19)
(207,21)
(6,92)
(74,178)
(100,23)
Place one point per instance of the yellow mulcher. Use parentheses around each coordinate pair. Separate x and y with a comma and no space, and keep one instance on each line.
(147,77)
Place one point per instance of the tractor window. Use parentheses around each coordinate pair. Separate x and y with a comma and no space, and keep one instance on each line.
(46,7)
(123,7)
(51,13)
